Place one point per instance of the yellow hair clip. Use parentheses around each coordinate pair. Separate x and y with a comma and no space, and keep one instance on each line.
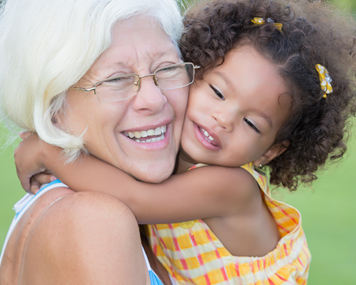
(325,80)
(261,21)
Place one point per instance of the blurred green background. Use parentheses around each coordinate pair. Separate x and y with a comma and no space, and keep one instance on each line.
(328,209)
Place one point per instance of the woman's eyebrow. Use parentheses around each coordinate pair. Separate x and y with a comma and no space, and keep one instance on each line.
(124,63)
(159,54)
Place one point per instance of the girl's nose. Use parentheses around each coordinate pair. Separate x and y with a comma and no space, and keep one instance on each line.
(224,121)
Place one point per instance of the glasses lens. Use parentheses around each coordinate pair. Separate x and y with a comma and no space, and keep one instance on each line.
(117,88)
(175,76)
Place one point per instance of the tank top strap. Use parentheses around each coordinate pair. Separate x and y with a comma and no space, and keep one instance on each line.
(153,276)
(24,204)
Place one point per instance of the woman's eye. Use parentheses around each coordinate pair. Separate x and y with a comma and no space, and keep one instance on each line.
(247,121)
(217,92)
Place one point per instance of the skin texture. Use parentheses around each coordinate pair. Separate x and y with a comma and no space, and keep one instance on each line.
(93,238)
(227,198)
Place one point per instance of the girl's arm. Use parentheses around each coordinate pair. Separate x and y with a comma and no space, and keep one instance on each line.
(201,193)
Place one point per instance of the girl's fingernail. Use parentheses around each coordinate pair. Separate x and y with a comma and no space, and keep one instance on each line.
(53,178)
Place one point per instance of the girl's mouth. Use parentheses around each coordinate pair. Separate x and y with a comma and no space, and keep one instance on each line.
(208,137)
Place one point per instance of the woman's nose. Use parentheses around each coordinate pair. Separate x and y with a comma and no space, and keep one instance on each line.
(150,97)
(225,121)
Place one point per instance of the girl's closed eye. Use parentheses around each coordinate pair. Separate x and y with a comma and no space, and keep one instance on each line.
(248,122)
(217,92)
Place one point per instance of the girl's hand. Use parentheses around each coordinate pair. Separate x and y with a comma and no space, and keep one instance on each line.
(39,179)
(29,162)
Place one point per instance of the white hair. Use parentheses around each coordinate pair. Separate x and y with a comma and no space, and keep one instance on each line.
(46,46)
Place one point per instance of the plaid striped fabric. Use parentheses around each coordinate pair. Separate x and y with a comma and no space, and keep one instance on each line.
(192,254)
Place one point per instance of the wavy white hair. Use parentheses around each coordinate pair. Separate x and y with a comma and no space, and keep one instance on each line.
(47,46)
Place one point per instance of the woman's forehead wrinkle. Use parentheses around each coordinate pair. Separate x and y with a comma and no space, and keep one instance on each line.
(165,54)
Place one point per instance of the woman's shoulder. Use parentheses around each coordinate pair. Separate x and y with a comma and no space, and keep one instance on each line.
(81,230)
(69,210)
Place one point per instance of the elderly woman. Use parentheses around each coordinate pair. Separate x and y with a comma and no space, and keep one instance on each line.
(83,74)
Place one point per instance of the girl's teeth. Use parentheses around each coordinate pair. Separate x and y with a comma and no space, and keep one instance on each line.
(207,136)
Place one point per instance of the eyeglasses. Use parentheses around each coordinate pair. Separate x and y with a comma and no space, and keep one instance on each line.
(122,87)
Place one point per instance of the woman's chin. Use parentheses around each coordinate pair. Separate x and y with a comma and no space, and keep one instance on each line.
(154,176)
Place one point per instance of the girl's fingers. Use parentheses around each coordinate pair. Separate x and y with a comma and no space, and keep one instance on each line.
(35,187)
(39,179)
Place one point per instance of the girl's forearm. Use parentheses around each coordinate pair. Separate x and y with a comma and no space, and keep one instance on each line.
(88,173)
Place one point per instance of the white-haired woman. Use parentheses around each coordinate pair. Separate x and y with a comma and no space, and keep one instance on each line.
(79,73)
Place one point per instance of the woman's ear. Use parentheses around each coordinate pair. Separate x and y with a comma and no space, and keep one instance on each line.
(59,119)
(274,151)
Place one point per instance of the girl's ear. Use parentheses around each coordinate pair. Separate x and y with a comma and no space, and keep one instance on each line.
(274,151)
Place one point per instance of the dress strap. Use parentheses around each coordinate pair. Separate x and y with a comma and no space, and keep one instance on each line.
(260,178)
(198,165)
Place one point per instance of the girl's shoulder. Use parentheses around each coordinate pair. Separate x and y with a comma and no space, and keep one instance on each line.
(245,175)
(235,185)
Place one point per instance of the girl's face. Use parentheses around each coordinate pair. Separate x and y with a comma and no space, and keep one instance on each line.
(235,112)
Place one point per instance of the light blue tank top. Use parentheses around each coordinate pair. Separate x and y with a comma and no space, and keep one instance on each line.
(22,205)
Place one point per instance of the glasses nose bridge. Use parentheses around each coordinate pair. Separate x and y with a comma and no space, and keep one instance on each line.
(143,76)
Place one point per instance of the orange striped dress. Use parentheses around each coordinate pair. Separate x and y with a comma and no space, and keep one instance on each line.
(192,254)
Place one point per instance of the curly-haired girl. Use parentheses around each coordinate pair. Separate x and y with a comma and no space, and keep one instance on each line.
(274,92)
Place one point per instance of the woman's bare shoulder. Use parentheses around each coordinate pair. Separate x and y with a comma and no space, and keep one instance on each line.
(82,233)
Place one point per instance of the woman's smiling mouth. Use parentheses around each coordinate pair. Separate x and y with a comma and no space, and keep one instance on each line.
(148,136)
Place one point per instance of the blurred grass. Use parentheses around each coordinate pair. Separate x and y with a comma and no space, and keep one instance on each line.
(328,215)
(10,188)
(327,209)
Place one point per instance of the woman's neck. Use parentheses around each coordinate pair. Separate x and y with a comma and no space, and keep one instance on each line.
(184,162)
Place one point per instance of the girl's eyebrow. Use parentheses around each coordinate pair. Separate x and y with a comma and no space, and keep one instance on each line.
(223,76)
(267,118)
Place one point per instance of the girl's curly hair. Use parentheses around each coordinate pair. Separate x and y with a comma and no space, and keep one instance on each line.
(313,32)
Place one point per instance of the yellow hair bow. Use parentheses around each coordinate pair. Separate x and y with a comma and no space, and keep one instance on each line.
(261,21)
(325,80)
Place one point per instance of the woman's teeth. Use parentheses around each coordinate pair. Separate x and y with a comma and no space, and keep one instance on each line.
(152,135)
(207,137)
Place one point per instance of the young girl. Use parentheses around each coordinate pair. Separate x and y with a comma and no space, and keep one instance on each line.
(274,92)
